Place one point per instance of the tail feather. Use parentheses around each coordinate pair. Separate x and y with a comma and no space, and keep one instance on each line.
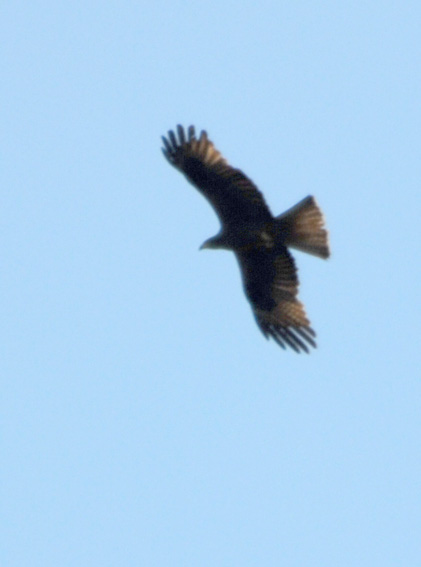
(303,227)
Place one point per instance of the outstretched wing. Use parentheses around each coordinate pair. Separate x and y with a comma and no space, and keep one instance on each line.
(234,197)
(271,285)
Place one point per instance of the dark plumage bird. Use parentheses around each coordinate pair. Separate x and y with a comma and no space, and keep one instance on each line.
(259,240)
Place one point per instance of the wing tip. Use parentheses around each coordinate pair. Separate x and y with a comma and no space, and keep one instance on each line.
(298,337)
(182,141)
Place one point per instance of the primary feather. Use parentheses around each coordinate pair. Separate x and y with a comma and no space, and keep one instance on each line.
(258,239)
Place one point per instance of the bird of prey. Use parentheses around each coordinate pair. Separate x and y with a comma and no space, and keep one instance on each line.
(259,240)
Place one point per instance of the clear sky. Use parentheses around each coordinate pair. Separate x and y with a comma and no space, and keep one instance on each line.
(145,420)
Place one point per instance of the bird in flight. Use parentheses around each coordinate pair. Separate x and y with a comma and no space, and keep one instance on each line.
(259,240)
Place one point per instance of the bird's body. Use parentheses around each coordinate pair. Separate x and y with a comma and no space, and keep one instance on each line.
(259,240)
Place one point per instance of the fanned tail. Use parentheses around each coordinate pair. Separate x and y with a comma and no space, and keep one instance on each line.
(303,228)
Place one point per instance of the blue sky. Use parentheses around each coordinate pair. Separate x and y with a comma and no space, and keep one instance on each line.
(145,420)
